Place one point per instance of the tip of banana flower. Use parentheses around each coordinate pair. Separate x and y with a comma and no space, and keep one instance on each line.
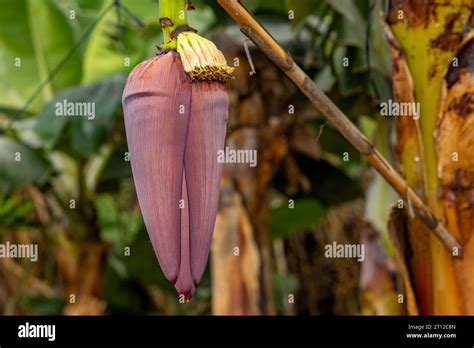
(201,59)
(186,296)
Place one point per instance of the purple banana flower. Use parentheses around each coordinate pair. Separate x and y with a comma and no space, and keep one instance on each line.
(175,128)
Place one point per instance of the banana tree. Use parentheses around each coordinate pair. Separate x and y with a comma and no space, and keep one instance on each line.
(432,53)
(432,48)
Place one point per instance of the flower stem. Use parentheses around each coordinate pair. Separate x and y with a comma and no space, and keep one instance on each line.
(174,10)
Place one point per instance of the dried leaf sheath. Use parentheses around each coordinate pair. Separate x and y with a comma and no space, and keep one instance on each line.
(409,153)
(455,149)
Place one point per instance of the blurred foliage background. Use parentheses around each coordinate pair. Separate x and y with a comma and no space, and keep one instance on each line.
(72,191)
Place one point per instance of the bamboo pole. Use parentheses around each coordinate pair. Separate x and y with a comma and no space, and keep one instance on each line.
(251,28)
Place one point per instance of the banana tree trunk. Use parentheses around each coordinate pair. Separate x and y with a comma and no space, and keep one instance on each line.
(433,65)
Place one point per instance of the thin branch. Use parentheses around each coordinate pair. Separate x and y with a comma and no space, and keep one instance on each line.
(250,27)
(118,11)
(63,61)
(138,22)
